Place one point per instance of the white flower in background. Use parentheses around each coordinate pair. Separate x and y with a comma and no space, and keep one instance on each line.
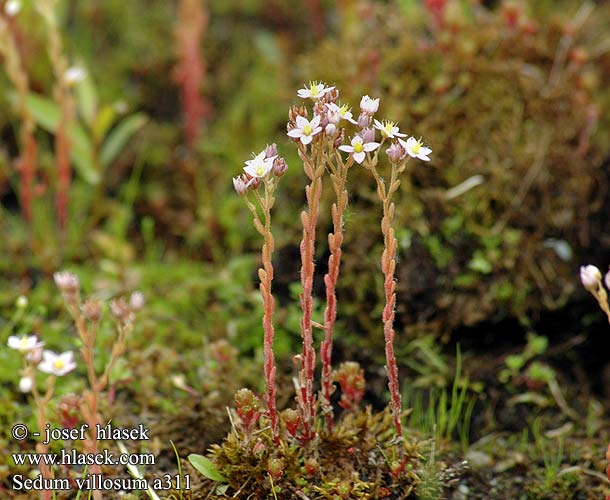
(75,74)
(388,129)
(259,166)
(415,148)
(368,105)
(607,279)
(137,301)
(359,148)
(57,364)
(314,91)
(12,7)
(590,277)
(66,281)
(305,129)
(26,384)
(337,113)
(24,343)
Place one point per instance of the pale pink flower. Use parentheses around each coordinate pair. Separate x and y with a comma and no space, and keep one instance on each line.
(259,166)
(590,277)
(314,91)
(396,152)
(415,148)
(25,343)
(57,364)
(388,129)
(305,129)
(359,148)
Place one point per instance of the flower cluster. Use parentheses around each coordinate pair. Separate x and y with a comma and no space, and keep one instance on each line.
(259,168)
(328,116)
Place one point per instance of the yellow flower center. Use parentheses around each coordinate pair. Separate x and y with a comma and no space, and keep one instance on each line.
(343,109)
(416,147)
(260,170)
(58,364)
(24,343)
(307,130)
(314,90)
(358,147)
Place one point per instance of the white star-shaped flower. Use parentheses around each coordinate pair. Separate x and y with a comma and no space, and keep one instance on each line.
(259,166)
(368,105)
(358,149)
(314,91)
(24,343)
(305,129)
(57,364)
(415,148)
(337,113)
(388,129)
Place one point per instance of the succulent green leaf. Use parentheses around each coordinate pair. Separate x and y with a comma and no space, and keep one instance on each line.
(206,467)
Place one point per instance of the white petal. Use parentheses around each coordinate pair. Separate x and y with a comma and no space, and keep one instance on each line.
(295,132)
(378,124)
(371,146)
(306,139)
(422,156)
(425,151)
(359,157)
(302,121)
(315,121)
(346,148)
(303,93)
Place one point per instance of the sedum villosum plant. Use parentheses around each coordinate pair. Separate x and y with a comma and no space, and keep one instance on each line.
(591,279)
(320,133)
(87,315)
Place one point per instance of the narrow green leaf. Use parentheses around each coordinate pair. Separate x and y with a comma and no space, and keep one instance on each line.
(47,115)
(206,467)
(118,137)
(87,100)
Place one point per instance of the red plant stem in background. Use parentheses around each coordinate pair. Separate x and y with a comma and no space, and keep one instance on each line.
(26,164)
(63,97)
(316,18)
(190,71)
(64,171)
(437,10)
(309,218)
(335,240)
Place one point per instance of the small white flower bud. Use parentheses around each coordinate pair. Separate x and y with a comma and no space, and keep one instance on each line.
(590,277)
(331,130)
(12,8)
(22,302)
(26,384)
(136,301)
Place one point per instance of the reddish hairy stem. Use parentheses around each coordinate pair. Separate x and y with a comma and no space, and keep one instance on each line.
(388,265)
(266,278)
(309,218)
(190,71)
(335,240)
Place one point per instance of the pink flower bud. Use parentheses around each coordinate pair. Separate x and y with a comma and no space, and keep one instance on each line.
(26,384)
(590,277)
(248,408)
(331,130)
(241,187)
(339,139)
(364,120)
(279,167)
(271,150)
(368,135)
(396,153)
